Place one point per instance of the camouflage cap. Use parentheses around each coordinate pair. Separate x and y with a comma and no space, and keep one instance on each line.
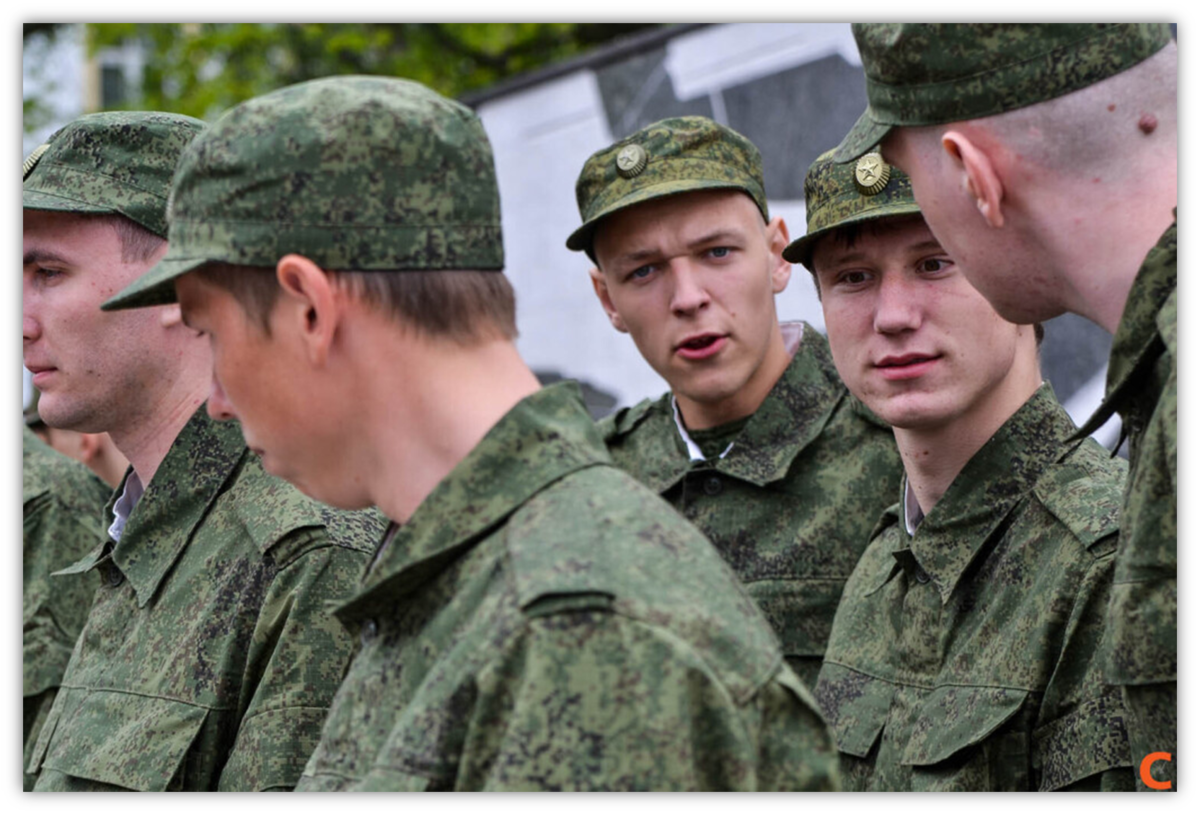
(106,163)
(356,173)
(666,158)
(934,73)
(839,194)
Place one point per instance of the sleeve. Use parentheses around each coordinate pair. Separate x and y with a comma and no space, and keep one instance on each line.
(297,659)
(592,700)
(1081,738)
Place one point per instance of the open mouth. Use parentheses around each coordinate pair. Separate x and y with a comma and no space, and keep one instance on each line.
(700,342)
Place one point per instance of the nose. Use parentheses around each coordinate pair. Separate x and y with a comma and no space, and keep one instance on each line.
(689,294)
(219,406)
(31,327)
(899,306)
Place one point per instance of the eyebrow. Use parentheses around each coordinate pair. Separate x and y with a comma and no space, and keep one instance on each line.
(42,256)
(716,236)
(858,254)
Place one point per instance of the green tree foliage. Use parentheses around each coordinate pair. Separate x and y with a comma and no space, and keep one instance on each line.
(203,69)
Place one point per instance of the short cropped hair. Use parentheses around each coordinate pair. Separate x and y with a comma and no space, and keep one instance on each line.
(138,244)
(463,306)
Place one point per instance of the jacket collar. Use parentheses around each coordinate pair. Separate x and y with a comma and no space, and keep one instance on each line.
(1136,344)
(200,461)
(972,512)
(545,437)
(794,413)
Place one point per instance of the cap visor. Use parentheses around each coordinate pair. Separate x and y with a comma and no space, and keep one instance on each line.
(800,250)
(865,134)
(37,199)
(581,238)
(156,287)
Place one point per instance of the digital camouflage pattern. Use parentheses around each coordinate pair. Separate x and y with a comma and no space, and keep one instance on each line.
(209,658)
(935,73)
(792,504)
(681,155)
(62,504)
(115,162)
(358,173)
(1140,644)
(968,656)
(543,622)
(833,200)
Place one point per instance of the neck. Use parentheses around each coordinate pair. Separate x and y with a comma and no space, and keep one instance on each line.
(1101,250)
(147,440)
(933,456)
(418,433)
(746,399)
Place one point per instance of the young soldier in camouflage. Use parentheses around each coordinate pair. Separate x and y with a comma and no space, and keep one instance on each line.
(536,619)
(1045,158)
(208,660)
(965,654)
(62,506)
(757,443)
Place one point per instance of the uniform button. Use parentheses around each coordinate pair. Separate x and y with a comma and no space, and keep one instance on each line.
(713,485)
(115,578)
(921,575)
(369,629)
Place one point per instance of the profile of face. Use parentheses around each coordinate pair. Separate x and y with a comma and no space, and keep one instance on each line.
(910,336)
(93,368)
(261,379)
(990,252)
(692,278)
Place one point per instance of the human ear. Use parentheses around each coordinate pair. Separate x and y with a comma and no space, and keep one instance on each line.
(777,241)
(308,308)
(979,175)
(600,286)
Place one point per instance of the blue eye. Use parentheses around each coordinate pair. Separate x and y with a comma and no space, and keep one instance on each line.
(719,251)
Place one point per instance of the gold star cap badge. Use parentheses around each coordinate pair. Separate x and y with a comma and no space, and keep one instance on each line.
(32,161)
(631,160)
(871,174)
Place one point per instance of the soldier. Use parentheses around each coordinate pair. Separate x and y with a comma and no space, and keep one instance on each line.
(95,450)
(757,443)
(208,660)
(534,619)
(965,654)
(62,506)
(1045,158)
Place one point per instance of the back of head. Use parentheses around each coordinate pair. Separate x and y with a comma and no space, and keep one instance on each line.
(356,173)
(921,74)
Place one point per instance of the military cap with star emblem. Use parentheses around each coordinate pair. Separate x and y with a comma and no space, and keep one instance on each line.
(669,157)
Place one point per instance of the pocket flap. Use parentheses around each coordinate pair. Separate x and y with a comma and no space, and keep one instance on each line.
(130,741)
(855,705)
(954,718)
(800,612)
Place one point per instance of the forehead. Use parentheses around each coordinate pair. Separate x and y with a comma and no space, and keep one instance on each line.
(899,233)
(689,214)
(85,243)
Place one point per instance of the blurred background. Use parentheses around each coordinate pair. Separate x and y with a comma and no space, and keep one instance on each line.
(549,95)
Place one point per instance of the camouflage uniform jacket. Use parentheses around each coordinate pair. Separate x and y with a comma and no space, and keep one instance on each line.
(967,656)
(209,659)
(1140,644)
(63,508)
(544,622)
(791,505)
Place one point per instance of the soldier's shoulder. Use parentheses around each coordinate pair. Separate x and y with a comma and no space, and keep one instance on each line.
(616,426)
(1084,491)
(598,539)
(283,523)
(46,472)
